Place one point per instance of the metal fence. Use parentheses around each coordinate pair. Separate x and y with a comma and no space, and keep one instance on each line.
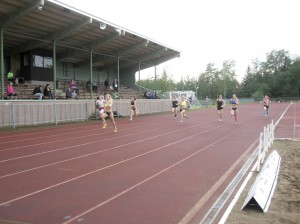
(21,113)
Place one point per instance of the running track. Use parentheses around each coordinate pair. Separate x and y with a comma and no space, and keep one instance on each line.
(154,170)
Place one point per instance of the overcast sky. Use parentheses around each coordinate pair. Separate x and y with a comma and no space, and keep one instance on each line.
(206,31)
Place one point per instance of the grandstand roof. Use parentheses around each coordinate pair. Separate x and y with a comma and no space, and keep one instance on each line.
(30,24)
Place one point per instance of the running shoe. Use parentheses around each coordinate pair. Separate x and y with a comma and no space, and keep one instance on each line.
(104,125)
(115,130)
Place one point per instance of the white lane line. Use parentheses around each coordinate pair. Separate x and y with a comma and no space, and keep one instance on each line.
(42,131)
(89,154)
(151,177)
(45,136)
(112,165)
(88,143)
(66,139)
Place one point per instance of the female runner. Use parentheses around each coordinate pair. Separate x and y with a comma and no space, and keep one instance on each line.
(220,106)
(133,108)
(234,107)
(108,112)
(266,105)
(182,108)
(100,104)
(174,106)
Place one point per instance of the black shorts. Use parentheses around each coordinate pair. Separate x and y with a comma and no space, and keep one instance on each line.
(181,109)
(108,113)
(266,106)
(234,108)
(220,108)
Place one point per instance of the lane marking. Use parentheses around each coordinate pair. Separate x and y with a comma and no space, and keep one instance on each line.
(149,178)
(68,160)
(43,143)
(12,222)
(89,143)
(112,165)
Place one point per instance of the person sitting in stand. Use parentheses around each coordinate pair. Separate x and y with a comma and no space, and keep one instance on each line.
(73,85)
(37,92)
(88,85)
(106,84)
(149,94)
(74,94)
(10,77)
(47,92)
(115,85)
(10,92)
(69,93)
(95,86)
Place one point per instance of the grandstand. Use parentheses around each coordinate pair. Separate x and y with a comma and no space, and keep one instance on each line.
(51,42)
(25,90)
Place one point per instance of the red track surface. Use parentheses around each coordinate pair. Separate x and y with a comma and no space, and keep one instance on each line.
(154,170)
(289,126)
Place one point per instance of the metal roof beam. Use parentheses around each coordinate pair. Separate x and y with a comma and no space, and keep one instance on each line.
(120,53)
(149,56)
(96,59)
(10,18)
(101,42)
(50,37)
(131,48)
(90,46)
(156,62)
(145,57)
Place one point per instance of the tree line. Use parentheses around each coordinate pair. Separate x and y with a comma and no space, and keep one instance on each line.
(278,76)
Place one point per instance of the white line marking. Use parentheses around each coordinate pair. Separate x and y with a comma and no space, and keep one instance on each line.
(149,178)
(65,139)
(74,146)
(112,165)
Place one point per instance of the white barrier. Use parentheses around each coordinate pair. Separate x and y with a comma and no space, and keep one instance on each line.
(264,185)
(266,139)
(20,113)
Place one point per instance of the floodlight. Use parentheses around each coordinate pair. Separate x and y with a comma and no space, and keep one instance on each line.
(102,26)
(120,31)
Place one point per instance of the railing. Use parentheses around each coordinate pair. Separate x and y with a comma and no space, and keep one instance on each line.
(266,139)
(32,112)
(20,113)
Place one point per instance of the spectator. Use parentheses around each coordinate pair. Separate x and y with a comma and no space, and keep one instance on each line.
(73,85)
(88,85)
(149,94)
(10,92)
(21,80)
(47,92)
(69,93)
(106,84)
(115,85)
(10,77)
(37,92)
(95,86)
(74,94)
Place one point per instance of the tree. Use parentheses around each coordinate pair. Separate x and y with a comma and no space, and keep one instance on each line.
(228,77)
(277,76)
